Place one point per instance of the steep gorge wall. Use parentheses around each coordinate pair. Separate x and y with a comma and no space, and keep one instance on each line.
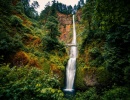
(86,76)
(66,26)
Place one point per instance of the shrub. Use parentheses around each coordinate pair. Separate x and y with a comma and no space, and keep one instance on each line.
(79,80)
(20,58)
(16,21)
(87,95)
(9,44)
(96,58)
(127,75)
(27,83)
(120,93)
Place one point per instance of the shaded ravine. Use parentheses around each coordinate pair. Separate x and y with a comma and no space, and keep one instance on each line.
(71,66)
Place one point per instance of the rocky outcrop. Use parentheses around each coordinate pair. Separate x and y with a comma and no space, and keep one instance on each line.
(66,25)
(78,15)
(64,19)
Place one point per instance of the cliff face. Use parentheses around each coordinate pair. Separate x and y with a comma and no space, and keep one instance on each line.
(66,22)
(65,19)
(78,15)
(65,26)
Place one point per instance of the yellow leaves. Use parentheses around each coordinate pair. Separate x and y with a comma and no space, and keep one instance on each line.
(38,85)
(52,91)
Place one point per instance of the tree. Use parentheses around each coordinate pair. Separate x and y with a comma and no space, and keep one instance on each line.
(50,41)
(52,26)
(45,12)
(79,5)
(29,10)
(82,2)
(108,23)
(53,8)
(5,7)
(35,4)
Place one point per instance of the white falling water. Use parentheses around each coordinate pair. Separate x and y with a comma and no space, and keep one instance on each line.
(71,67)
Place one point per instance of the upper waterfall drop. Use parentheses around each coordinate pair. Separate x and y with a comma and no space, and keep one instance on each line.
(71,66)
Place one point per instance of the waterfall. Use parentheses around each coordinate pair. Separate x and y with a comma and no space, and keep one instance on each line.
(71,66)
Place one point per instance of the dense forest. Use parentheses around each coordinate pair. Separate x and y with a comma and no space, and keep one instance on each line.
(33,52)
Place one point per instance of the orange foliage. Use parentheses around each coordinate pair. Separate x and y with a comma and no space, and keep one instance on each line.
(55,70)
(34,63)
(25,21)
(29,39)
(32,40)
(20,58)
(37,42)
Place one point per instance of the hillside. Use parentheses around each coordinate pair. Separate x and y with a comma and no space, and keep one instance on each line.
(34,55)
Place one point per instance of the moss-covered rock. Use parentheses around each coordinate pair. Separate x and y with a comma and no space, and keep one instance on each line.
(91,76)
(79,79)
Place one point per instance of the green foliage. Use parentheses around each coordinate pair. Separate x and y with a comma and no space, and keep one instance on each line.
(44,13)
(25,83)
(127,75)
(96,58)
(29,9)
(9,44)
(49,44)
(50,41)
(79,79)
(49,93)
(120,93)
(5,7)
(52,27)
(87,95)
(116,52)
(19,8)
(103,76)
(16,21)
(107,28)
(26,29)
(62,8)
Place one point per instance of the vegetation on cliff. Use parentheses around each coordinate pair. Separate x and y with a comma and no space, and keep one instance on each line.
(33,58)
(106,46)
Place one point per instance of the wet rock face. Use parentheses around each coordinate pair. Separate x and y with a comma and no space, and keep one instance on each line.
(90,80)
(78,15)
(65,22)
(65,30)
(64,19)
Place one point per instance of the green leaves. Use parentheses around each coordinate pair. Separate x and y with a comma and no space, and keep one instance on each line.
(52,27)
(50,41)
(25,83)
(120,93)
(9,44)
(108,24)
(16,21)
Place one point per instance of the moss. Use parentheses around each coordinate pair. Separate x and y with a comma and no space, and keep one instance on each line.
(91,76)
(118,93)
(79,80)
(103,75)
